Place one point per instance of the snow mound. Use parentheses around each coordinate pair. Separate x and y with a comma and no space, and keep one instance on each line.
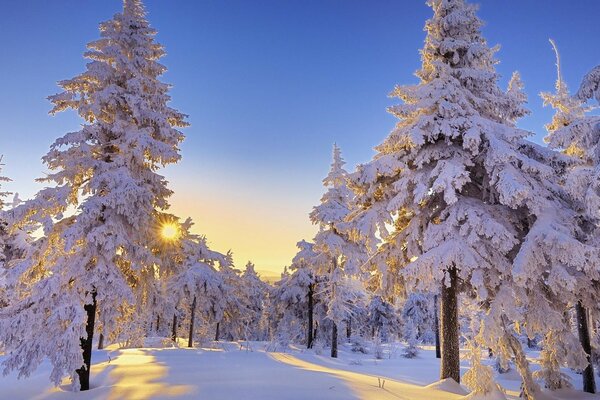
(448,385)
(493,395)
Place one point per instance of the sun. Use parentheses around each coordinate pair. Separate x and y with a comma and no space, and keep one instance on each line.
(169,231)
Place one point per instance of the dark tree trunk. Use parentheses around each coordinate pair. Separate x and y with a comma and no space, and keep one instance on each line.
(529,343)
(192,312)
(86,345)
(101,341)
(310,338)
(217,332)
(157,323)
(349,328)
(334,341)
(174,331)
(589,384)
(449,329)
(436,319)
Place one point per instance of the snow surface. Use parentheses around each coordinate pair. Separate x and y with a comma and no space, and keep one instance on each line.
(229,370)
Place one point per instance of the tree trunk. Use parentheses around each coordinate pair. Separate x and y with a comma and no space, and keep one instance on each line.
(529,388)
(157,323)
(334,341)
(310,337)
(174,331)
(449,328)
(349,328)
(217,332)
(86,345)
(192,312)
(589,384)
(436,319)
(101,341)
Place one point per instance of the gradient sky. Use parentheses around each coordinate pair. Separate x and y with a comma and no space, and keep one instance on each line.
(269,86)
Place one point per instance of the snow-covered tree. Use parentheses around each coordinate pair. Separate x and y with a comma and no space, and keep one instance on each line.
(107,171)
(340,257)
(255,298)
(590,86)
(3,238)
(296,297)
(197,282)
(382,319)
(480,378)
(576,134)
(418,322)
(456,198)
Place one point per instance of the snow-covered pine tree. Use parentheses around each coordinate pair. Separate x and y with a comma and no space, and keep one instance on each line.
(255,298)
(590,86)
(383,319)
(467,207)
(196,282)
(107,171)
(3,239)
(231,326)
(418,322)
(340,258)
(576,134)
(297,292)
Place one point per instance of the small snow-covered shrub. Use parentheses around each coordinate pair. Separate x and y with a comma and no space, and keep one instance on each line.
(203,335)
(358,344)
(480,378)
(318,347)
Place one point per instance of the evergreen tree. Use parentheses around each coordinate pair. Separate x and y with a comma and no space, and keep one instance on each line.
(418,321)
(255,297)
(470,208)
(340,257)
(196,282)
(576,134)
(383,319)
(297,296)
(107,171)
(590,86)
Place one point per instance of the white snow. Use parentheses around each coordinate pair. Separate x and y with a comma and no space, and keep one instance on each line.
(230,370)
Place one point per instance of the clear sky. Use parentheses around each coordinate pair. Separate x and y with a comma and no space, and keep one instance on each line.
(269,86)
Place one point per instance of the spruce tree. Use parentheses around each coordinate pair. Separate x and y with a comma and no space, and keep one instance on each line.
(107,172)
(575,133)
(340,257)
(463,201)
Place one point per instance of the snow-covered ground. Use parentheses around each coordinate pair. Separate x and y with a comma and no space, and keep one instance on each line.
(237,371)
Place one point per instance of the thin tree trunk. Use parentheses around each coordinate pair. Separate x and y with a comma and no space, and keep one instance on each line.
(529,388)
(174,331)
(157,323)
(310,338)
(449,329)
(86,345)
(436,313)
(349,327)
(589,384)
(192,312)
(101,341)
(334,341)
(217,332)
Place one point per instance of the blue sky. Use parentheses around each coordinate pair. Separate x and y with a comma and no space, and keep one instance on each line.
(269,86)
